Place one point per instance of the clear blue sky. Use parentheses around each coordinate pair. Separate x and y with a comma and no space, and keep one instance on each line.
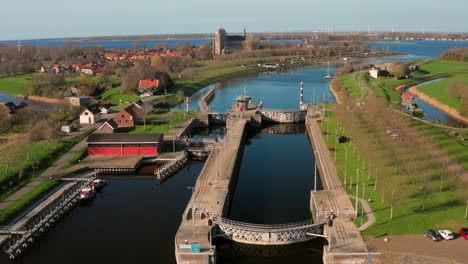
(31,19)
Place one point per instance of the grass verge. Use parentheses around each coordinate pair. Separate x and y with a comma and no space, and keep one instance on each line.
(443,211)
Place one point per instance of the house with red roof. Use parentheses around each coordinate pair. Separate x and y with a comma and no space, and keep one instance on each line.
(407,99)
(148,87)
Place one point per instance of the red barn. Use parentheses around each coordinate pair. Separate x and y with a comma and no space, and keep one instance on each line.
(124,144)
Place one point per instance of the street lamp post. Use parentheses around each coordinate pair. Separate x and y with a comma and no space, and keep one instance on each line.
(315,171)
(357,189)
(345,165)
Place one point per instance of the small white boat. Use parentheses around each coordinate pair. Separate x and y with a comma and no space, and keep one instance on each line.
(328,76)
(98,184)
(87,193)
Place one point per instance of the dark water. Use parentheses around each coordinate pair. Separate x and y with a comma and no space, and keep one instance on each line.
(30,104)
(8,98)
(130,221)
(275,177)
(124,44)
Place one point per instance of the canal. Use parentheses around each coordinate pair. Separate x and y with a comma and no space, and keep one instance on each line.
(135,220)
(132,220)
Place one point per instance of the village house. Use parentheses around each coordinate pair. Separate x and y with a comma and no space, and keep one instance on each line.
(374,72)
(148,87)
(407,100)
(90,116)
(124,144)
(108,127)
(126,116)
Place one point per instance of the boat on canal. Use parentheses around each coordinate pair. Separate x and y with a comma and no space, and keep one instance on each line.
(87,194)
(98,184)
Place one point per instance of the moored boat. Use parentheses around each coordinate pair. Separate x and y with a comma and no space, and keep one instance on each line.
(98,184)
(87,193)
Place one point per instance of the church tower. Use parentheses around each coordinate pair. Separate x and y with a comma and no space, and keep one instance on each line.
(220,38)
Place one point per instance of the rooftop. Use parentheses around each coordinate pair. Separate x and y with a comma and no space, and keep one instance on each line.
(98,138)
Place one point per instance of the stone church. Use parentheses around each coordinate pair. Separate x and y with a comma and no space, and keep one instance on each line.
(227,44)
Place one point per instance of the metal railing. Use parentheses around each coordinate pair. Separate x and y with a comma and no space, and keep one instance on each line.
(266,228)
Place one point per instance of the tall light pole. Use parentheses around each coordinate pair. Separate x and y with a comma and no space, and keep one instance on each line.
(345,165)
(357,189)
(315,171)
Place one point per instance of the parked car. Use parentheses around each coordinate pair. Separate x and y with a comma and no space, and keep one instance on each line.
(446,234)
(464,232)
(435,236)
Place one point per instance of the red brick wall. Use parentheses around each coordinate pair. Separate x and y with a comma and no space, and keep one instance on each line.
(124,119)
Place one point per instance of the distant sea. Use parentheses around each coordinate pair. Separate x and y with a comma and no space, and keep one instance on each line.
(121,44)
(108,44)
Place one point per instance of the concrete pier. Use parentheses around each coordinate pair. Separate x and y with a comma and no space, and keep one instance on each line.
(345,243)
(210,197)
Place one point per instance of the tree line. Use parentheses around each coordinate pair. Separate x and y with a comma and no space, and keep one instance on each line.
(455,54)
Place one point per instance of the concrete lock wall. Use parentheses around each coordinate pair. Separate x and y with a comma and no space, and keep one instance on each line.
(281,116)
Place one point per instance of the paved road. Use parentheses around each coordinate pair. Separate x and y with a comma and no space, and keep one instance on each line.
(50,172)
(369,213)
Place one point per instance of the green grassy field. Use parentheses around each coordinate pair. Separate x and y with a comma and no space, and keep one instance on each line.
(441,67)
(16,85)
(23,162)
(455,148)
(163,123)
(442,209)
(352,87)
(115,96)
(439,90)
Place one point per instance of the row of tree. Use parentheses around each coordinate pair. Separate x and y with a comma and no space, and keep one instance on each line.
(404,161)
(456,54)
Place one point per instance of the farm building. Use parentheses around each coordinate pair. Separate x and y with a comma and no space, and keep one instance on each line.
(124,144)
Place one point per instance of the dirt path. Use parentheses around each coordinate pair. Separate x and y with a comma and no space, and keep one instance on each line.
(368,211)
(420,245)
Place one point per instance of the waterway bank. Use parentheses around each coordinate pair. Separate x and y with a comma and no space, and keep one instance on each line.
(437,104)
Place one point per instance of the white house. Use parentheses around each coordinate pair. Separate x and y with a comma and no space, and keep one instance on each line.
(90,116)
(374,72)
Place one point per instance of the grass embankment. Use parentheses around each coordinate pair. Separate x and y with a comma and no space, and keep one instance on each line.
(441,211)
(163,123)
(27,199)
(24,161)
(115,96)
(439,90)
(76,158)
(385,87)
